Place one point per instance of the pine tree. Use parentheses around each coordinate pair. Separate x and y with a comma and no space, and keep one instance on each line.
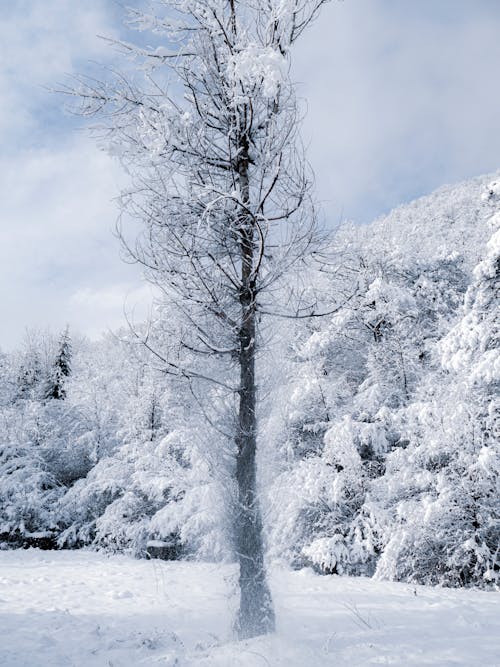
(60,370)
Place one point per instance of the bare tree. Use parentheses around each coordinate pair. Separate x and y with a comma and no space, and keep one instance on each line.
(207,128)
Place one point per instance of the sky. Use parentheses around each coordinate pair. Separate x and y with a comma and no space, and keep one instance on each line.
(399,96)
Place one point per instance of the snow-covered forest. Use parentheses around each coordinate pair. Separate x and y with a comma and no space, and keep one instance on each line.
(379,444)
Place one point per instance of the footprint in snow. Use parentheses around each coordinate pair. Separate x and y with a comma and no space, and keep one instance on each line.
(121,595)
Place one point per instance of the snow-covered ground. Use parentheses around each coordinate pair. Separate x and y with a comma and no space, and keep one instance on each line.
(82,609)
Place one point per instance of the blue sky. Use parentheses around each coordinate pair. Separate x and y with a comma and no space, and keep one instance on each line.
(401,97)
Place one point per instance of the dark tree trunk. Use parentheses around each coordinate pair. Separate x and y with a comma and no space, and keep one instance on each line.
(256,615)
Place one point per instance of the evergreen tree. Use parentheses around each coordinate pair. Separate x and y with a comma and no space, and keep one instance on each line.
(60,370)
(30,375)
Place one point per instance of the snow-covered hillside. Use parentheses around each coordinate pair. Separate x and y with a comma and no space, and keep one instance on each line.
(451,220)
(86,609)
(392,402)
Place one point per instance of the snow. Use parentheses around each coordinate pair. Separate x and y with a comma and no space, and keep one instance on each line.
(257,65)
(158,543)
(87,609)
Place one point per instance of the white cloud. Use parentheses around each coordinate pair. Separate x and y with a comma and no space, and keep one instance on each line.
(56,187)
(56,224)
(93,310)
(401,98)
(41,42)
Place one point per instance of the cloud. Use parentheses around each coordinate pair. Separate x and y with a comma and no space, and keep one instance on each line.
(109,307)
(56,187)
(401,99)
(41,42)
(56,221)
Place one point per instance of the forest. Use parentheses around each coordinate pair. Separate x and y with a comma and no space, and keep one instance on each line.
(379,438)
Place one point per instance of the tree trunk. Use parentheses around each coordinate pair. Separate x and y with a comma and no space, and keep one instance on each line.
(256,615)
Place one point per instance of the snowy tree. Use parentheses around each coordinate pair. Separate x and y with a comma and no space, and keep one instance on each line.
(359,382)
(151,480)
(44,443)
(220,184)
(30,373)
(441,490)
(60,369)
(471,354)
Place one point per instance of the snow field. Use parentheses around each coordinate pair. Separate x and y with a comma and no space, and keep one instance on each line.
(86,609)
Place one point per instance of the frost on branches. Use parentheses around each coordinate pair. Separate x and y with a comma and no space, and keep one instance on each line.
(207,128)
